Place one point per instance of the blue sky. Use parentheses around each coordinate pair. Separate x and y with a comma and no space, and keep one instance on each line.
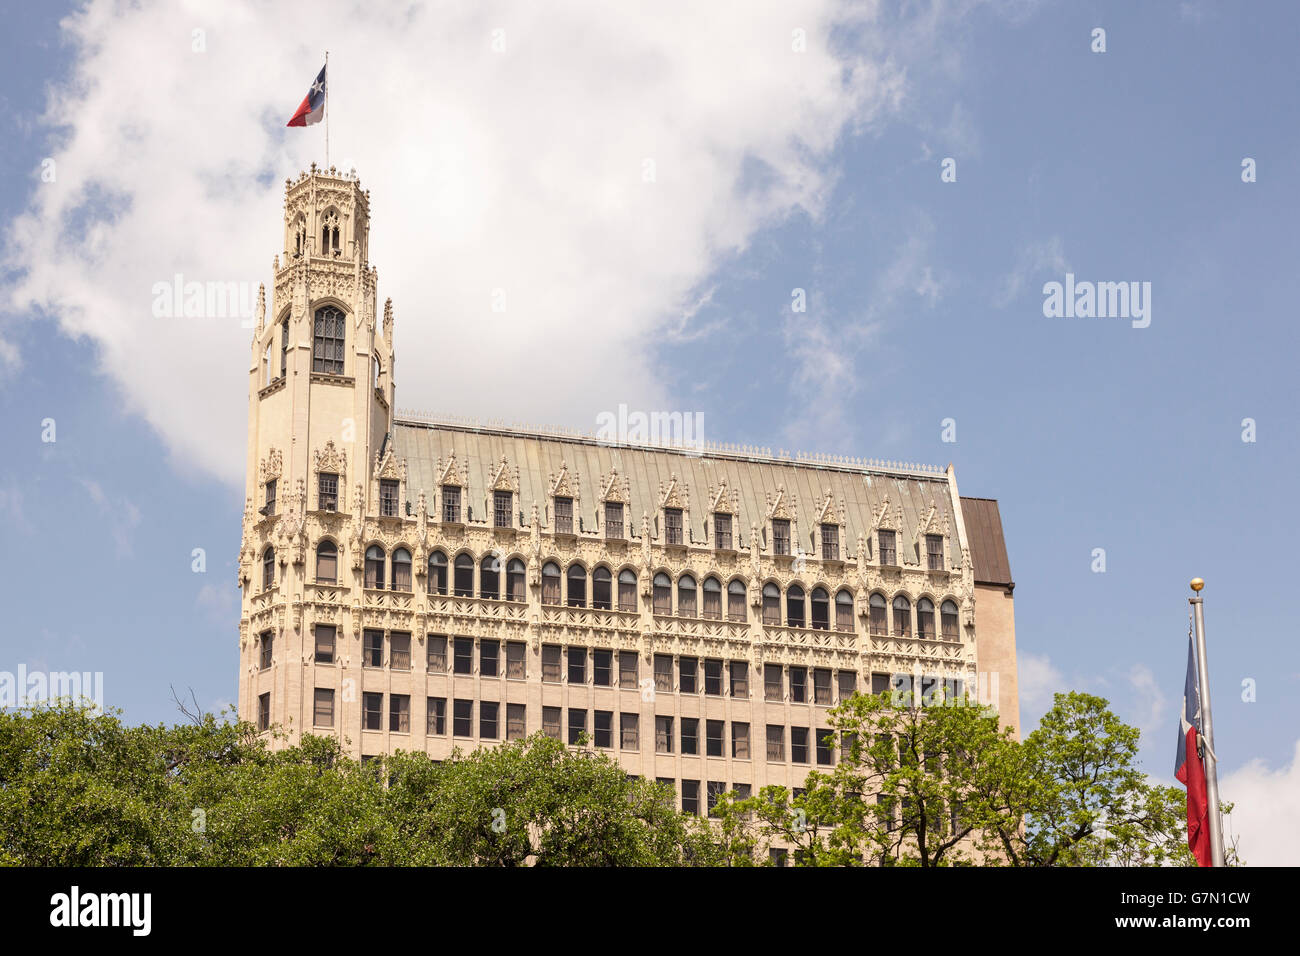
(925,303)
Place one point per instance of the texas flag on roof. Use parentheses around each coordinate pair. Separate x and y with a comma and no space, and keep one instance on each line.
(312,107)
(1189,768)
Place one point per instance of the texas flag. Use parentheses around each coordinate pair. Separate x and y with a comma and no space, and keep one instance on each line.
(312,107)
(1189,769)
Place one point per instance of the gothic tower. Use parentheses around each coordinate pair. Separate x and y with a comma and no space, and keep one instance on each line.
(320,405)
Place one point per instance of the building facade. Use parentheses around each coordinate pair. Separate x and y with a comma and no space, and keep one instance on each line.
(418,585)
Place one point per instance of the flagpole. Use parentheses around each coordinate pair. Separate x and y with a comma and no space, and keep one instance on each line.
(327,109)
(1207,728)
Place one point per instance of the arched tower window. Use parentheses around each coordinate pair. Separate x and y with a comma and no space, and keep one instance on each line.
(489,577)
(948,620)
(550,583)
(686,596)
(794,606)
(663,594)
(925,619)
(375,567)
(284,347)
(327,563)
(577,586)
(601,581)
(437,573)
(464,576)
(327,344)
(712,599)
(515,580)
(736,600)
(771,604)
(627,590)
(821,609)
(268,568)
(902,617)
(879,621)
(844,610)
(329,239)
(401,570)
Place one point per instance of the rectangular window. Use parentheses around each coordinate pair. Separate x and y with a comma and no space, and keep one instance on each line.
(799,744)
(436,716)
(830,542)
(690,735)
(399,651)
(399,713)
(551,722)
(372,651)
(629,736)
(327,342)
(688,675)
(270,498)
(739,678)
(848,681)
(670,787)
(388,493)
(825,747)
(577,665)
(776,743)
(462,718)
(325,635)
(798,684)
(372,711)
(437,654)
(691,796)
(551,670)
(516,723)
(822,686)
(516,665)
(488,657)
(714,790)
(268,641)
(577,724)
(502,502)
(740,740)
(488,711)
(888,552)
(614,520)
(879,684)
(673,525)
(722,531)
(323,710)
(564,516)
(603,729)
(934,551)
(780,536)
(463,655)
(713,738)
(629,671)
(713,677)
(773,685)
(663,735)
(451,503)
(664,673)
(779,856)
(602,667)
(327,492)
(264,711)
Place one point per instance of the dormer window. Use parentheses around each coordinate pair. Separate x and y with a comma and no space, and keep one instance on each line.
(614,520)
(327,344)
(934,551)
(502,502)
(327,491)
(673,525)
(389,491)
(451,504)
(780,536)
(888,548)
(564,516)
(270,498)
(830,542)
(722,531)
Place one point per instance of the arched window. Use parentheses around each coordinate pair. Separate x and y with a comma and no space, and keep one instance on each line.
(268,568)
(794,606)
(327,343)
(464,576)
(437,573)
(577,586)
(925,619)
(948,620)
(401,570)
(663,594)
(327,563)
(602,589)
(284,347)
(374,566)
(879,615)
(844,610)
(736,600)
(329,239)
(550,583)
(712,599)
(771,604)
(489,577)
(821,609)
(627,590)
(902,617)
(515,580)
(686,596)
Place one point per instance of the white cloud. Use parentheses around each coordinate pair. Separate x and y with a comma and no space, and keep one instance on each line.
(1264,815)
(1037,679)
(1034,259)
(519,170)
(1151,706)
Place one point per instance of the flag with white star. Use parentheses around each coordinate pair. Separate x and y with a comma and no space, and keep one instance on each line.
(312,107)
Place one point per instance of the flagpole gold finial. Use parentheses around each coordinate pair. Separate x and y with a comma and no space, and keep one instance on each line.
(1197,584)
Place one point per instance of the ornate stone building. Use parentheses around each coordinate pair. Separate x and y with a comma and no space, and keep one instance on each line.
(416,585)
